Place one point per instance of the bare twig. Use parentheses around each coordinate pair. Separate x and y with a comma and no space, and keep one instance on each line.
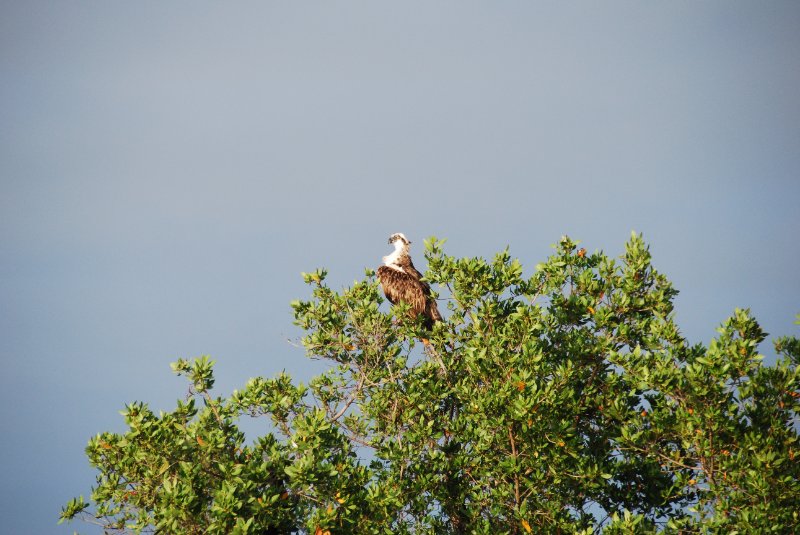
(516,477)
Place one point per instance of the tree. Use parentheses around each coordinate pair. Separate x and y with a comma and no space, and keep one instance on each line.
(564,402)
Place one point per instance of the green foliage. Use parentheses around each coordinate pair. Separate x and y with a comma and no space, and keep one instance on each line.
(562,402)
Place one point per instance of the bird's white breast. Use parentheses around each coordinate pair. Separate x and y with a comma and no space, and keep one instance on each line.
(391,261)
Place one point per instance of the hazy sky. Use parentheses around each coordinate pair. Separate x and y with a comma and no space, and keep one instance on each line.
(168,169)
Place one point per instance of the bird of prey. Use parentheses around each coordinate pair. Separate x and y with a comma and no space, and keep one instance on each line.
(402,283)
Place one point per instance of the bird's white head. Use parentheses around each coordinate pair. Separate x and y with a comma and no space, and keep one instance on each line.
(401,245)
(399,240)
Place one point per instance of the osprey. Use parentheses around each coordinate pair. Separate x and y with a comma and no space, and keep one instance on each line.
(402,283)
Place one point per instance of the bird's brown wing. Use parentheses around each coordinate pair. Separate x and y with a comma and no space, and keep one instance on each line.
(406,287)
(431,310)
(400,287)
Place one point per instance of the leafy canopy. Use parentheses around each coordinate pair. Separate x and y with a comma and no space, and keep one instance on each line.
(564,402)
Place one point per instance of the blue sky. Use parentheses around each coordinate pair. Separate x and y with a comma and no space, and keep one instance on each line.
(168,170)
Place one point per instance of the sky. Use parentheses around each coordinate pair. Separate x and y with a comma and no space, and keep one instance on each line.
(167,171)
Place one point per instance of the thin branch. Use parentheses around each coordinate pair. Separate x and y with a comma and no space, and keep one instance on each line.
(356,392)
(516,476)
